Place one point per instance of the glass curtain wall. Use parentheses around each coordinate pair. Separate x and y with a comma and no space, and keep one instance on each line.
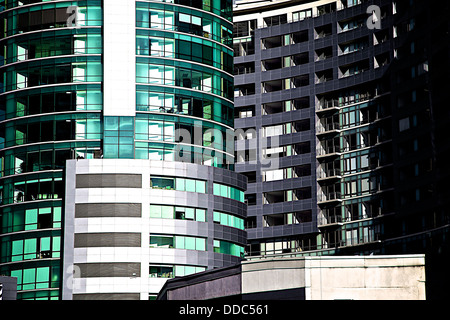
(184,93)
(50,111)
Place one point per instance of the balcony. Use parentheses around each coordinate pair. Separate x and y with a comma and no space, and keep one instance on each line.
(244,90)
(328,174)
(328,105)
(244,68)
(323,76)
(354,69)
(327,128)
(328,151)
(323,31)
(323,54)
(329,221)
(329,197)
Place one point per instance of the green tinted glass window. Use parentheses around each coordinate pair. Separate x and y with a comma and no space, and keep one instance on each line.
(200,186)
(155,211)
(190,243)
(200,244)
(190,185)
(201,215)
(190,213)
(167,212)
(42,277)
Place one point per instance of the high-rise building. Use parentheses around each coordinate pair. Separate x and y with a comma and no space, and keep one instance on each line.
(355,93)
(116,146)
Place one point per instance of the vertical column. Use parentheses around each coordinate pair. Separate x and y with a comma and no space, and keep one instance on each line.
(119,58)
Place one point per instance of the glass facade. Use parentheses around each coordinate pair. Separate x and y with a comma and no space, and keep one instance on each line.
(50,111)
(179,184)
(178,242)
(184,85)
(228,192)
(228,220)
(177,212)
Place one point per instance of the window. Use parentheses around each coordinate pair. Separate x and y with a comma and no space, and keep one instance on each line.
(30,249)
(170,271)
(185,18)
(301,15)
(17,219)
(228,192)
(161,47)
(284,245)
(161,272)
(119,142)
(275,20)
(272,131)
(225,247)
(228,220)
(246,113)
(198,78)
(179,184)
(161,242)
(403,124)
(160,19)
(163,183)
(36,278)
(177,242)
(272,175)
(180,213)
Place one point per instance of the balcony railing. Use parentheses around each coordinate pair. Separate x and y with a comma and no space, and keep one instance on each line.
(329,196)
(328,173)
(328,150)
(337,103)
(329,220)
(328,127)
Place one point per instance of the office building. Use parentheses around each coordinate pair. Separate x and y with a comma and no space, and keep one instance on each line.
(116,150)
(355,93)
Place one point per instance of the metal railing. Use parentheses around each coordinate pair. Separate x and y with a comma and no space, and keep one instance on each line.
(326,173)
(329,196)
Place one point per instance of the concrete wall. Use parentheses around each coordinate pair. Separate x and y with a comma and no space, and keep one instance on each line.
(337,277)
(366,278)
(308,278)
(215,288)
(272,275)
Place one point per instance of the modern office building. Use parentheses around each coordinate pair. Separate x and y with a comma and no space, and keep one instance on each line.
(355,93)
(116,146)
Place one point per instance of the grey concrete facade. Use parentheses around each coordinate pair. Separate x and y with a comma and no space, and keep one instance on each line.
(308,278)
(378,94)
(108,226)
(8,288)
(321,49)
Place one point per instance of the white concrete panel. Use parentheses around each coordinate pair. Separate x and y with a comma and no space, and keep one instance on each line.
(142,225)
(119,58)
(110,284)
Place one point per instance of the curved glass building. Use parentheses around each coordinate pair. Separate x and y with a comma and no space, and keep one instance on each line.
(51,110)
(116,146)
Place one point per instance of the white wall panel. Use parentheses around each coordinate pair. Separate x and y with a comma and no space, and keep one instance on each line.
(119,58)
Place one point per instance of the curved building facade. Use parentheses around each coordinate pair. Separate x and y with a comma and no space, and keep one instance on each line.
(51,104)
(127,231)
(148,83)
